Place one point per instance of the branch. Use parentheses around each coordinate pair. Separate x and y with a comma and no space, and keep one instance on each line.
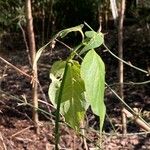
(136,119)
(129,64)
(17,69)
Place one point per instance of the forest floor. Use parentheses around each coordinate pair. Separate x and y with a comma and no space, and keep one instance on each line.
(17,128)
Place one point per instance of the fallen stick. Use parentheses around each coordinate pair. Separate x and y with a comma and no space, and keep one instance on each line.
(19,132)
(17,69)
(136,119)
(3,146)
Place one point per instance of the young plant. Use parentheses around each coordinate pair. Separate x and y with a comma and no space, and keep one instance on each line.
(76,86)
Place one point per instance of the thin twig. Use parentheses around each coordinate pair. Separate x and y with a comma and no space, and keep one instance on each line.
(21,131)
(137,83)
(17,69)
(131,83)
(26,43)
(28,104)
(135,114)
(4,145)
(118,134)
(71,49)
(46,103)
(44,97)
(129,64)
(64,44)
(111,123)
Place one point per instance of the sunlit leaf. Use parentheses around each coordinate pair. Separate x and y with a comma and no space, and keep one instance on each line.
(54,89)
(38,54)
(57,68)
(90,34)
(92,41)
(56,74)
(78,28)
(72,100)
(93,74)
(62,34)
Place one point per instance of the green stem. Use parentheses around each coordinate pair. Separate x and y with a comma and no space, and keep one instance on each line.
(58,108)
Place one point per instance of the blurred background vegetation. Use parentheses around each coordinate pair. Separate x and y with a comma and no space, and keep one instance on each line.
(50,16)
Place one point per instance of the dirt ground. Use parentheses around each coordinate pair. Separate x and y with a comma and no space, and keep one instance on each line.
(17,128)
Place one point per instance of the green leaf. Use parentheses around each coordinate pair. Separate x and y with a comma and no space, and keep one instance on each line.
(72,99)
(92,41)
(90,34)
(54,89)
(57,68)
(93,74)
(62,34)
(38,54)
(56,74)
(78,28)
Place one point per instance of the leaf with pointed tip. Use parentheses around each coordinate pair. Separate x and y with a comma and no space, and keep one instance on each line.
(72,100)
(93,74)
(78,28)
(62,34)
(38,54)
